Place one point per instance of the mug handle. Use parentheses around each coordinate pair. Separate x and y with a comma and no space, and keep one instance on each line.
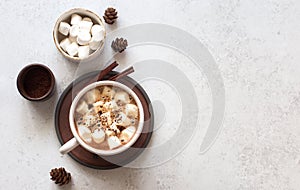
(68,146)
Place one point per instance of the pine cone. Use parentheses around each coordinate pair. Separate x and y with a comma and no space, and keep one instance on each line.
(119,44)
(60,176)
(110,15)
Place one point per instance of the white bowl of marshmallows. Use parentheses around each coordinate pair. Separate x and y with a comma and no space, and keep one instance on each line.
(79,34)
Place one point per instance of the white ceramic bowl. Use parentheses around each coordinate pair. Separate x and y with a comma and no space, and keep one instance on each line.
(66,17)
(71,144)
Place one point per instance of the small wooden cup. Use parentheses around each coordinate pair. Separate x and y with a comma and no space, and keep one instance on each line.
(36,82)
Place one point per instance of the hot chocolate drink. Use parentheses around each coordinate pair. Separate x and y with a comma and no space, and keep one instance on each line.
(106,117)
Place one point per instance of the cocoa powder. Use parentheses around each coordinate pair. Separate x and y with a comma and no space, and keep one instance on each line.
(37,82)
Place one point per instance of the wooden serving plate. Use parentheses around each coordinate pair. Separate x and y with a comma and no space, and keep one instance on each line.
(85,157)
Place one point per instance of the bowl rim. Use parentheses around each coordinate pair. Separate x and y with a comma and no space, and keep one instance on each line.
(68,13)
(20,81)
(121,148)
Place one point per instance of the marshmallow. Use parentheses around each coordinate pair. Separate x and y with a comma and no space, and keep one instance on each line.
(115,128)
(107,92)
(114,107)
(97,32)
(106,119)
(99,103)
(85,25)
(65,43)
(73,39)
(109,132)
(113,142)
(98,136)
(98,37)
(64,28)
(92,96)
(107,106)
(89,120)
(133,121)
(87,19)
(83,38)
(131,110)
(82,108)
(96,28)
(111,106)
(122,119)
(72,49)
(74,30)
(75,19)
(83,51)
(121,98)
(94,44)
(127,134)
(98,106)
(85,134)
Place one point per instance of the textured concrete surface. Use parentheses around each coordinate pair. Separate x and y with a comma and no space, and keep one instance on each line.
(256,46)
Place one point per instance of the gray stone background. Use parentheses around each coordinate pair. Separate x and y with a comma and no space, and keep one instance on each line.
(256,46)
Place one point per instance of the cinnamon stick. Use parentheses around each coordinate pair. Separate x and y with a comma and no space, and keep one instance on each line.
(122,74)
(104,72)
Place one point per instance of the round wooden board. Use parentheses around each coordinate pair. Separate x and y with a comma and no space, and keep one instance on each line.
(85,157)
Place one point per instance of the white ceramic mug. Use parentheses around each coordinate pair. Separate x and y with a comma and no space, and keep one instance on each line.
(74,142)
